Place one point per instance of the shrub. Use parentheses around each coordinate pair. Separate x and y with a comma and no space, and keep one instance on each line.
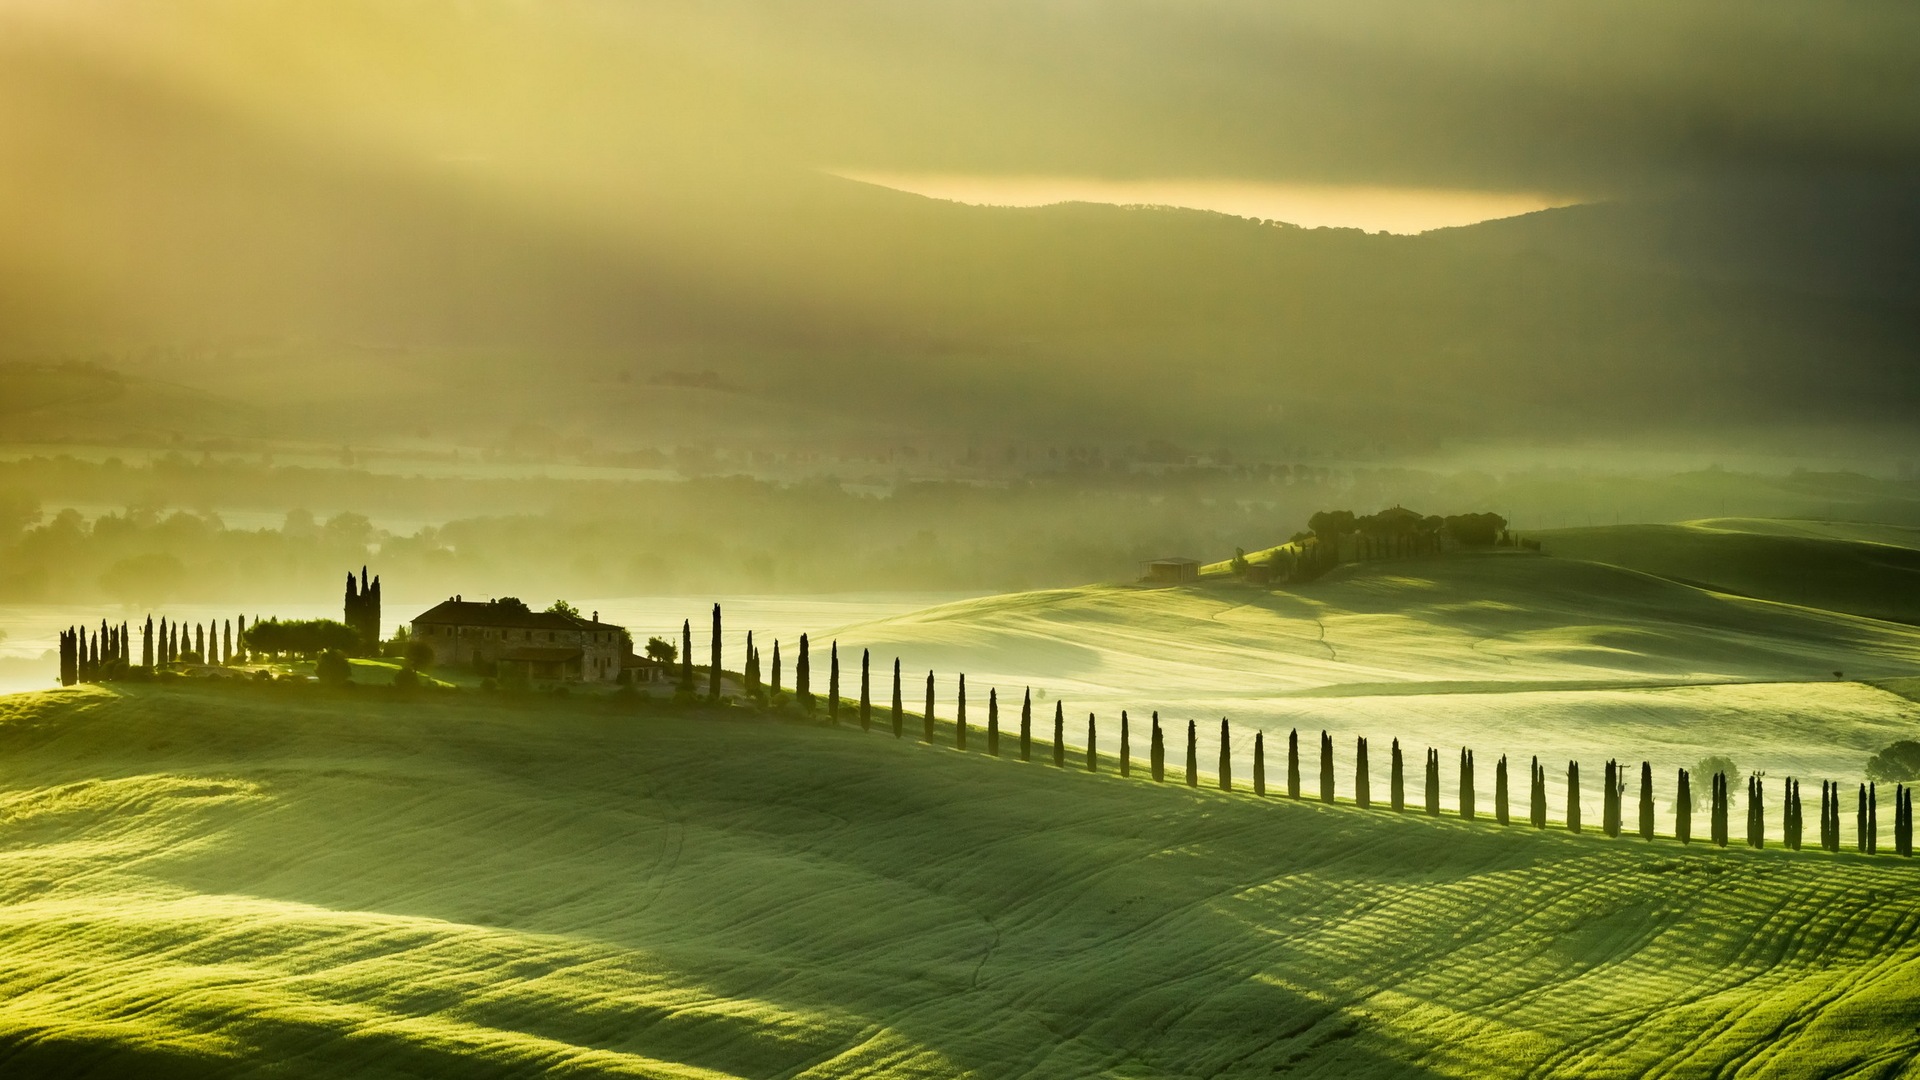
(1898,763)
(333,668)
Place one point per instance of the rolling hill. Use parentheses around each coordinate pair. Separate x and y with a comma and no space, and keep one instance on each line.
(254,883)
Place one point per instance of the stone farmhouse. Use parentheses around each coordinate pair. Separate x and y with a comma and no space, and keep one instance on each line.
(539,645)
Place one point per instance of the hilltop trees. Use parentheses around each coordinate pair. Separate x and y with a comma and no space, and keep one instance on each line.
(305,637)
(1898,762)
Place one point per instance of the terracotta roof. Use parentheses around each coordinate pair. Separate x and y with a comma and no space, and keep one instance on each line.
(474,613)
(540,655)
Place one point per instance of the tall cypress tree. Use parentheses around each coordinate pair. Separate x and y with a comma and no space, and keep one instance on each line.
(776,667)
(1093,752)
(1790,815)
(686,655)
(1903,815)
(1226,758)
(199,643)
(866,696)
(1293,764)
(1860,823)
(1193,756)
(960,717)
(1326,767)
(1466,784)
(1719,809)
(1397,780)
(803,676)
(161,653)
(1362,787)
(1609,800)
(993,722)
(1259,764)
(1646,800)
(1537,794)
(833,680)
(752,671)
(1433,782)
(239,636)
(1026,726)
(146,645)
(1157,760)
(1873,820)
(1126,746)
(1756,813)
(1826,794)
(926,717)
(714,659)
(1059,735)
(899,706)
(1500,791)
(1683,808)
(1573,796)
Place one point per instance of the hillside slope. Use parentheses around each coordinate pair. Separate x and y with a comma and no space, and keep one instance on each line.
(1862,569)
(230,885)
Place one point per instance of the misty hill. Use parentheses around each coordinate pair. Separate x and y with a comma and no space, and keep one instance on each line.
(429,265)
(206,885)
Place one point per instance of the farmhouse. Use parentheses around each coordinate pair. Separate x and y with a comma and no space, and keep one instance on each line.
(1174,570)
(507,636)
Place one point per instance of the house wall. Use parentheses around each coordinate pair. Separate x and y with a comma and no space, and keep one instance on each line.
(455,645)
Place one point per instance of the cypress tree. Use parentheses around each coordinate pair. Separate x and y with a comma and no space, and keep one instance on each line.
(226,641)
(1126,746)
(1609,800)
(161,652)
(1259,764)
(1226,759)
(714,660)
(1157,760)
(239,636)
(1060,735)
(866,698)
(1873,822)
(1362,787)
(1860,823)
(803,676)
(899,707)
(686,655)
(1646,800)
(960,717)
(1433,782)
(1537,794)
(833,680)
(1293,764)
(1683,808)
(1573,796)
(1466,784)
(1093,753)
(993,722)
(776,667)
(1193,756)
(146,645)
(1026,726)
(1396,780)
(1756,813)
(752,670)
(1903,811)
(1500,791)
(1790,819)
(1833,824)
(1719,809)
(926,718)
(1326,767)
(199,643)
(1826,814)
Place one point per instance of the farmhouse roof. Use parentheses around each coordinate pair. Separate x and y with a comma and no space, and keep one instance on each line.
(1174,560)
(474,613)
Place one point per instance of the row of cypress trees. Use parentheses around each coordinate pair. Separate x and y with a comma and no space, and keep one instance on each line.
(1615,782)
(107,653)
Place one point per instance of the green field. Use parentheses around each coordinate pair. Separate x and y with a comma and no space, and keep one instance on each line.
(269,882)
(1505,652)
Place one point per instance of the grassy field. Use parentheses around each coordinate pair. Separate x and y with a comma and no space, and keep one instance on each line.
(271,882)
(1507,653)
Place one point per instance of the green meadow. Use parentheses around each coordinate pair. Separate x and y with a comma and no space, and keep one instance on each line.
(256,881)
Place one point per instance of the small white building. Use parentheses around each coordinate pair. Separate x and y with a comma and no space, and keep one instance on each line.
(539,645)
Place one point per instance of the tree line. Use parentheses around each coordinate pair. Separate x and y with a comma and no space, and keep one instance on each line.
(1617,781)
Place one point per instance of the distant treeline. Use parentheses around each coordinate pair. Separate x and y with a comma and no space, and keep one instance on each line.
(735,534)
